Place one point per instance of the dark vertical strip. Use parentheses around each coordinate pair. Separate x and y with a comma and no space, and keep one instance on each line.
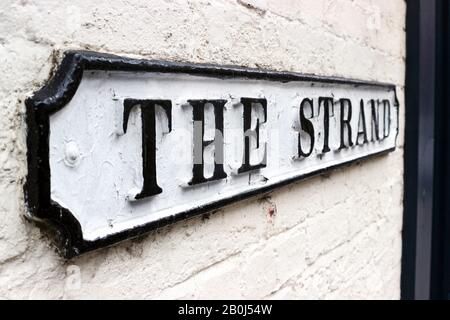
(445,104)
(427,65)
(419,148)
(440,275)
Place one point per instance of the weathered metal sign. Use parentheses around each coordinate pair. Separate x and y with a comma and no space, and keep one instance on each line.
(119,146)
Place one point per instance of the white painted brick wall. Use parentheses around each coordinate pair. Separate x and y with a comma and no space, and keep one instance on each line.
(334,236)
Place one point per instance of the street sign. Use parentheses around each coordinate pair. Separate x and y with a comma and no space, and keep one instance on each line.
(119,146)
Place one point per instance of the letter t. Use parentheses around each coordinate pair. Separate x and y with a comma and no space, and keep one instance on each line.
(148,115)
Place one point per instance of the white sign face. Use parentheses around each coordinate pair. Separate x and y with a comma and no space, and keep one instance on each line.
(130,145)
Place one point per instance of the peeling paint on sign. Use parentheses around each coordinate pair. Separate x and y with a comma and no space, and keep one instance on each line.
(120,146)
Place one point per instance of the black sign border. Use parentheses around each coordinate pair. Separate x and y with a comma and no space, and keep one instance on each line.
(62,87)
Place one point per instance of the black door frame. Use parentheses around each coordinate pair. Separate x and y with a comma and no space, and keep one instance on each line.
(425,252)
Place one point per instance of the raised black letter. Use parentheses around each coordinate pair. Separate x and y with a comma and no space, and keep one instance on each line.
(307,126)
(328,104)
(346,123)
(248,132)
(375,120)
(386,106)
(150,186)
(198,107)
(361,120)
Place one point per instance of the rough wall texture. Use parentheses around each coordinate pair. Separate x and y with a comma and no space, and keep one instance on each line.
(334,236)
